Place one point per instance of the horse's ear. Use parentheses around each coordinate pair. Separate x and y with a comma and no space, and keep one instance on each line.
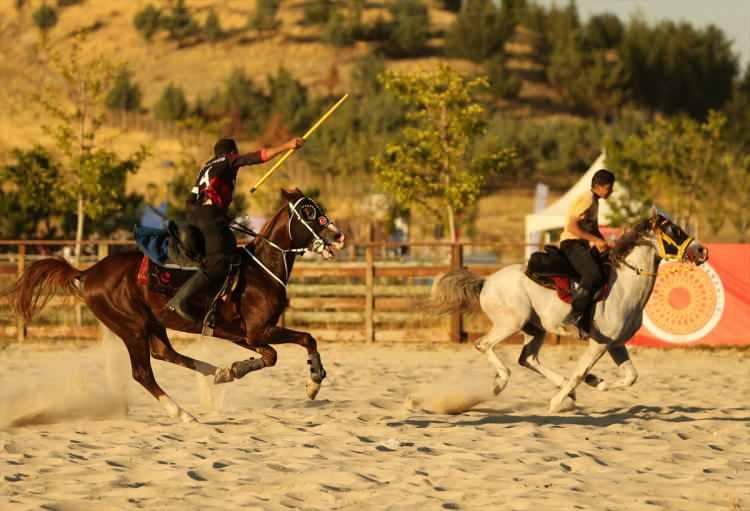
(291,195)
(654,212)
(286,195)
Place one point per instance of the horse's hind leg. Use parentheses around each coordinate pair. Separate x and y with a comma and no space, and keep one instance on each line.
(140,361)
(135,336)
(486,344)
(533,339)
(529,358)
(161,349)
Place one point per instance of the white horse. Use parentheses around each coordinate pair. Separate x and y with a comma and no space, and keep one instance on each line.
(514,303)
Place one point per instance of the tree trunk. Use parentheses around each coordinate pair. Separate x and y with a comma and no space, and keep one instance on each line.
(79,231)
(452,224)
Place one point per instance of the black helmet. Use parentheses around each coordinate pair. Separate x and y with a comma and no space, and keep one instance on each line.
(225,146)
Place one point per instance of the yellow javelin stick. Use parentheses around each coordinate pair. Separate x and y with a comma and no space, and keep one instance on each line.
(290,151)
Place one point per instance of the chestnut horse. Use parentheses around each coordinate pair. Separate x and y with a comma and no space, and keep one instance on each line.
(139,317)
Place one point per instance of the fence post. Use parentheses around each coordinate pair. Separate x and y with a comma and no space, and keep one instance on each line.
(20,323)
(456,332)
(370,286)
(102,251)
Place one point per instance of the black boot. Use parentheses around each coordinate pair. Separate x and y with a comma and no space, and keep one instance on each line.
(178,303)
(579,314)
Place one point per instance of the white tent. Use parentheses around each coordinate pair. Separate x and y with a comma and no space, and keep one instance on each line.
(553,216)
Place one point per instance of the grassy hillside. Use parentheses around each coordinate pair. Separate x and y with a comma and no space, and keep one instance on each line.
(200,68)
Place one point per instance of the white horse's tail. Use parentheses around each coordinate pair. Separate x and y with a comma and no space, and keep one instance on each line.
(456,291)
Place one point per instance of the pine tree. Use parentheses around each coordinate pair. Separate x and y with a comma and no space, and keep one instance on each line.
(318,12)
(147,21)
(172,105)
(180,23)
(212,29)
(125,95)
(264,17)
(45,17)
(409,28)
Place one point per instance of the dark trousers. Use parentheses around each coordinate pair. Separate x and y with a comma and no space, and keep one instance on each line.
(219,240)
(586,262)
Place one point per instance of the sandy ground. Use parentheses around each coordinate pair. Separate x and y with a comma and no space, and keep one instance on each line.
(86,437)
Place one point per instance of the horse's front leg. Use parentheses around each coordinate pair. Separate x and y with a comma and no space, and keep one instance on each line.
(621,357)
(279,335)
(561,401)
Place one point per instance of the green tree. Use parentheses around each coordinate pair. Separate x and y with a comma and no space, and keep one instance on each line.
(603,32)
(212,28)
(318,12)
(675,68)
(242,102)
(289,98)
(409,28)
(45,17)
(172,105)
(30,193)
(738,110)
(503,83)
(125,94)
(673,163)
(147,21)
(91,176)
(264,18)
(434,165)
(180,23)
(480,30)
(337,31)
(590,81)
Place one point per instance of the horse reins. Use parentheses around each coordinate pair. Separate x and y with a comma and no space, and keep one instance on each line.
(661,238)
(283,251)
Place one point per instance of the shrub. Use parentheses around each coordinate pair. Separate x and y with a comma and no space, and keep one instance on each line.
(45,17)
(409,28)
(125,94)
(147,21)
(172,105)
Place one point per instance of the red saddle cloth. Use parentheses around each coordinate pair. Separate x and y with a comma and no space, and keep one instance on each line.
(160,279)
(562,286)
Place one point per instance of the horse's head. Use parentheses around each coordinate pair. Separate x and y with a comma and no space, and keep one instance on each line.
(309,226)
(673,243)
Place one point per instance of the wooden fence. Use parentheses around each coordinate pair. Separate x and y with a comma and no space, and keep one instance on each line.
(374,292)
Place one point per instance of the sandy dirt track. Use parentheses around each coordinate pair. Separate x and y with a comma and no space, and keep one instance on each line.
(87,437)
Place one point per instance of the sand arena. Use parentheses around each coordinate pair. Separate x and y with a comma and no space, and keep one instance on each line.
(78,433)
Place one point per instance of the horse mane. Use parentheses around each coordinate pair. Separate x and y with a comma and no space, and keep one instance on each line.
(628,241)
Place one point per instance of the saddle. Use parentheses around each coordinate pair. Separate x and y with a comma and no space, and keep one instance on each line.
(172,256)
(551,269)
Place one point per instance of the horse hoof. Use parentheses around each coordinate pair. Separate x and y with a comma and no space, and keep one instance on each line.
(499,386)
(223,375)
(312,389)
(186,418)
(566,405)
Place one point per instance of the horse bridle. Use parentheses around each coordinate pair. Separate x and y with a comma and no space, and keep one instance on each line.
(662,238)
(317,241)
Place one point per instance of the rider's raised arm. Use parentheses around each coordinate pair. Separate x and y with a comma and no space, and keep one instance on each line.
(266,154)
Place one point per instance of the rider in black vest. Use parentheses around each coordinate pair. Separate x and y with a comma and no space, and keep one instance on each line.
(207,211)
(583,245)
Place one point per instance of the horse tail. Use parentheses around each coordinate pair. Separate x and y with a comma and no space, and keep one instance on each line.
(456,291)
(39,282)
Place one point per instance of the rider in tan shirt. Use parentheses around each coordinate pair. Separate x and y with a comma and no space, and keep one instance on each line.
(580,235)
